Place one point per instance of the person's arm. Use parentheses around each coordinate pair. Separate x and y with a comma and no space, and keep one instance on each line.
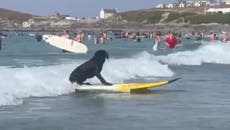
(102,79)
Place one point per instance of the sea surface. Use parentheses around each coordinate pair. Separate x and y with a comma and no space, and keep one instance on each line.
(35,93)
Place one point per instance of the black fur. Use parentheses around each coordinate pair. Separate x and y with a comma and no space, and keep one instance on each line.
(90,69)
(38,37)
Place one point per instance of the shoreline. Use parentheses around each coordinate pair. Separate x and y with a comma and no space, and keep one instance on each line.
(135,28)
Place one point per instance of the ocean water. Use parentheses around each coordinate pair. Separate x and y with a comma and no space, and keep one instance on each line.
(35,92)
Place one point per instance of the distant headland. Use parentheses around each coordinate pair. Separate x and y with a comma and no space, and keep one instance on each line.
(110,19)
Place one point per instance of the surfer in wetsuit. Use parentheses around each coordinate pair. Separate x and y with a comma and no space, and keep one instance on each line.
(90,68)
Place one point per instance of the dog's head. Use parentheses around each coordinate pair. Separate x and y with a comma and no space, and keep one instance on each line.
(102,54)
(99,57)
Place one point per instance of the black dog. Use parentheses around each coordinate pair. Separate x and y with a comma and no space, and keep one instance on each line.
(90,69)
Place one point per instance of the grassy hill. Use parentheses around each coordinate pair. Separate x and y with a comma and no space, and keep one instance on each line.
(177,15)
(139,15)
(209,18)
(15,16)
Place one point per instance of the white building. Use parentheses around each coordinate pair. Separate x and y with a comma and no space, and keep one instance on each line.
(197,4)
(71,18)
(160,6)
(170,5)
(188,5)
(216,10)
(181,5)
(105,13)
(28,24)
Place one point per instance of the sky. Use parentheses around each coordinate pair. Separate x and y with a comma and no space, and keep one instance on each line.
(76,8)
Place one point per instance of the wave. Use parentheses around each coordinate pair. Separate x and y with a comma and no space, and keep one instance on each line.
(208,52)
(19,83)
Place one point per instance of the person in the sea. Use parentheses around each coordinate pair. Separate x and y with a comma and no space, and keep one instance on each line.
(226,37)
(66,34)
(79,37)
(157,41)
(214,37)
(171,40)
(90,68)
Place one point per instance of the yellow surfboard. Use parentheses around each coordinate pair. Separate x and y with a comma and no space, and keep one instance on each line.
(123,87)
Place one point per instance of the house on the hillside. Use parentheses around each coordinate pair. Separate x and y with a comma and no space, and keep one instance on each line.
(188,5)
(217,10)
(181,5)
(160,6)
(28,24)
(70,18)
(170,5)
(197,4)
(105,13)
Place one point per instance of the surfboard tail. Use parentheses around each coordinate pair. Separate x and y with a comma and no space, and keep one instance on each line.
(173,80)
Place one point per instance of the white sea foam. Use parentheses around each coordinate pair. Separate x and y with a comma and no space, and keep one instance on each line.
(212,52)
(141,65)
(19,83)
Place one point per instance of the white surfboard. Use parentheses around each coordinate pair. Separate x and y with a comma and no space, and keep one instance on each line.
(66,44)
